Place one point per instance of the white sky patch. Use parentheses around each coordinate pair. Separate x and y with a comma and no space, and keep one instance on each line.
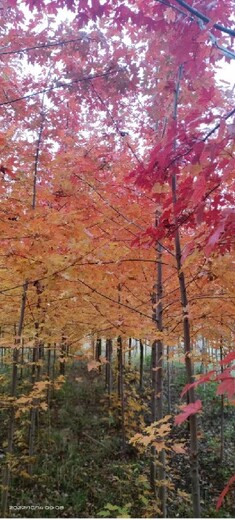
(226,72)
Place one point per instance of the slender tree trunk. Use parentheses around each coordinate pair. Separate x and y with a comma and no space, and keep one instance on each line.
(93,347)
(22,360)
(153,466)
(54,363)
(2,348)
(129,353)
(107,364)
(48,372)
(49,361)
(11,424)
(108,371)
(203,355)
(168,382)
(63,351)
(36,372)
(121,388)
(221,409)
(187,341)
(141,365)
(110,383)
(40,357)
(190,379)
(157,386)
(53,371)
(98,351)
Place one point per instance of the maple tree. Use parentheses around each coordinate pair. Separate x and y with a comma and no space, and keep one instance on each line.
(117,162)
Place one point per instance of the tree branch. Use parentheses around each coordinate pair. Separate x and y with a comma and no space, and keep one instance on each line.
(45,46)
(58,85)
(204,18)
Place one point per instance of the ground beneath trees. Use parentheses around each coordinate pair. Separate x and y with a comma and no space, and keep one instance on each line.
(82,471)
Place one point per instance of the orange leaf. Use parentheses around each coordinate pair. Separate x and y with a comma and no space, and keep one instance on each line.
(93,365)
(178,448)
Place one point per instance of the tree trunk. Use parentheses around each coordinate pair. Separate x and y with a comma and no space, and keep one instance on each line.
(191,393)
(141,365)
(187,339)
(54,363)
(22,360)
(121,388)
(157,387)
(108,368)
(98,351)
(11,424)
(168,381)
(129,353)
(48,372)
(63,351)
(53,371)
(36,372)
(153,466)
(93,347)
(221,410)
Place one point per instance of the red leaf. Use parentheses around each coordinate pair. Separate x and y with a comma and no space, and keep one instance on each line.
(188,410)
(214,238)
(199,189)
(230,357)
(227,385)
(224,492)
(203,379)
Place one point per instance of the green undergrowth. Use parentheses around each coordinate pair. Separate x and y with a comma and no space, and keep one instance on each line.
(81,469)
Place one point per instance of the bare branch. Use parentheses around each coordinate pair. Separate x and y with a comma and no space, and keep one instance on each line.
(59,84)
(45,46)
(204,18)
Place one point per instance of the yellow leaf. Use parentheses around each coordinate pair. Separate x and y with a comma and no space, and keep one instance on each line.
(40,386)
(22,400)
(163,430)
(146,440)
(44,406)
(24,474)
(93,365)
(60,379)
(165,483)
(178,448)
(184,495)
(159,446)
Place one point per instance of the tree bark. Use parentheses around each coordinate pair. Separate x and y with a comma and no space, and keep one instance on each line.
(63,351)
(157,387)
(168,382)
(187,339)
(48,372)
(221,409)
(98,351)
(36,372)
(11,424)
(129,353)
(108,367)
(141,365)
(121,389)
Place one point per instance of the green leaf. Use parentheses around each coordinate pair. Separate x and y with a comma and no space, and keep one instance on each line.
(144,500)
